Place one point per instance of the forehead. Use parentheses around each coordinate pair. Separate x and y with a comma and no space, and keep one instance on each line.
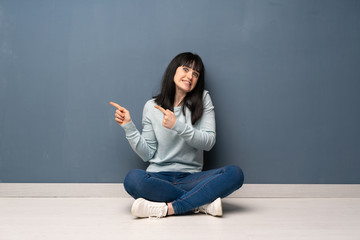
(192,65)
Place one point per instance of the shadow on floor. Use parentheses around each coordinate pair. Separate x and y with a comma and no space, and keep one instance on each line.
(229,207)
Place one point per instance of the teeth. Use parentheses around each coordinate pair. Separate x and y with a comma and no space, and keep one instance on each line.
(187,83)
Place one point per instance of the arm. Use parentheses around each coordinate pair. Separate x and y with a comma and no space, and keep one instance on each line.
(203,138)
(144,144)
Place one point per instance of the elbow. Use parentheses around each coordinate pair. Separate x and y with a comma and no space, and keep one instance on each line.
(210,146)
(150,155)
(210,143)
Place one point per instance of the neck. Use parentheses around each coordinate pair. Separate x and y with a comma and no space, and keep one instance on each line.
(179,97)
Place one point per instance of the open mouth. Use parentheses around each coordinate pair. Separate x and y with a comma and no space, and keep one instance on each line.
(187,83)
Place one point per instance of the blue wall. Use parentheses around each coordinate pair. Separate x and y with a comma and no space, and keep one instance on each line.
(284,76)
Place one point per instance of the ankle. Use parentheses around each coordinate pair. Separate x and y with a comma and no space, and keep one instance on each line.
(170,209)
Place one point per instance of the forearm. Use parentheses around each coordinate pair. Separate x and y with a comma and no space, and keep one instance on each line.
(201,139)
(138,143)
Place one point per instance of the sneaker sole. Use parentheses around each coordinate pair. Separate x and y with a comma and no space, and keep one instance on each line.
(220,212)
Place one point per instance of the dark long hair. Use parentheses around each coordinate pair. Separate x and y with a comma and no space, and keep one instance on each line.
(194,99)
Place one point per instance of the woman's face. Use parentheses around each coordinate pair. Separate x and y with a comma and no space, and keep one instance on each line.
(185,79)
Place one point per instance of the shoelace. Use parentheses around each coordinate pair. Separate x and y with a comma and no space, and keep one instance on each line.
(199,209)
(155,212)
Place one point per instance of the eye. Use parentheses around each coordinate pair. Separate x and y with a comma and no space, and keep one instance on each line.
(195,74)
(185,69)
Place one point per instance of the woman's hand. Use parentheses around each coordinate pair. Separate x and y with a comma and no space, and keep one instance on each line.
(122,115)
(169,119)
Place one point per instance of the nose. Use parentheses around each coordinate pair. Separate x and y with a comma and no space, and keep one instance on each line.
(189,74)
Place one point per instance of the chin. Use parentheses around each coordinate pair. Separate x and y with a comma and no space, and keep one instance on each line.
(188,90)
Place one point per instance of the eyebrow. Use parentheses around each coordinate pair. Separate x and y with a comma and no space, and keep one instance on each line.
(192,69)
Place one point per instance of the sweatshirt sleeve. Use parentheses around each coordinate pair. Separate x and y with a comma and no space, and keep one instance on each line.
(144,144)
(204,137)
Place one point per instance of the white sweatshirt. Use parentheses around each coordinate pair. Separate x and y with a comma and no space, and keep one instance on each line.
(179,149)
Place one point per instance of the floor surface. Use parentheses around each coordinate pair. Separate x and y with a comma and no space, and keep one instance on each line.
(244,218)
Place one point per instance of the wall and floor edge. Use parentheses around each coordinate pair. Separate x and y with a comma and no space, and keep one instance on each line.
(109,190)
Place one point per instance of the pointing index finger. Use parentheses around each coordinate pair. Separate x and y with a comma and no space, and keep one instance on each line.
(116,105)
(160,108)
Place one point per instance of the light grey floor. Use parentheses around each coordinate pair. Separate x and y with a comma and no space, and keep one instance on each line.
(244,218)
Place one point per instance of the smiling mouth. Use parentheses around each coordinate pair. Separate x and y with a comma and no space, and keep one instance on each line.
(187,83)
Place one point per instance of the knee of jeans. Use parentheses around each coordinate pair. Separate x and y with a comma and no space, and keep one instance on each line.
(132,178)
(237,175)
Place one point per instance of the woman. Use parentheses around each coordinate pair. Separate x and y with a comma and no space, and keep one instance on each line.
(178,125)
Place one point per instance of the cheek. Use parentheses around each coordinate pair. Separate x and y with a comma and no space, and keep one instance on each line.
(194,84)
(177,76)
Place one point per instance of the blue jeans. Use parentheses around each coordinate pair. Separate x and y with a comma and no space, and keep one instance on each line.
(185,191)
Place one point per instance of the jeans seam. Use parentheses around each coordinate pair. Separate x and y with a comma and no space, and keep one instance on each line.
(159,179)
(221,173)
(204,177)
(174,207)
(194,180)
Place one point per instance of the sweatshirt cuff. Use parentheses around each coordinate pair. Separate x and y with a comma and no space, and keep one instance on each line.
(179,127)
(129,128)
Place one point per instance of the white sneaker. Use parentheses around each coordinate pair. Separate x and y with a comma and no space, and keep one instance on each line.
(214,208)
(143,208)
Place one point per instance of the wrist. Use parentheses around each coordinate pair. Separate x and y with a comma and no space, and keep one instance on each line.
(125,122)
